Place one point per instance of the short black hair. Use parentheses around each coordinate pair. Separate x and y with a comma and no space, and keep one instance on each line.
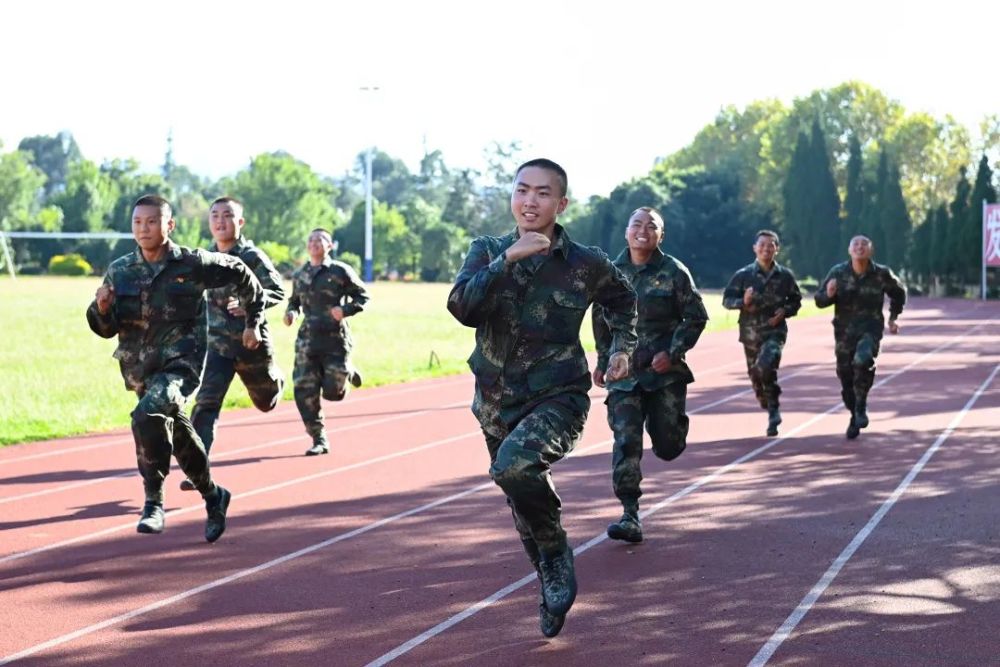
(322,231)
(154,200)
(767,232)
(226,199)
(548,165)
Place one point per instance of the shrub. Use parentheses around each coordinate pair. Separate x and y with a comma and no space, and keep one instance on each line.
(351,259)
(69,265)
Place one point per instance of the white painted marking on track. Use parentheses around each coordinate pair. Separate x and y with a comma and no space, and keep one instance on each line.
(264,417)
(782,633)
(430,633)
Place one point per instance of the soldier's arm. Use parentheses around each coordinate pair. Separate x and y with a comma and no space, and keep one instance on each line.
(356,292)
(793,300)
(602,336)
(270,279)
(106,325)
(821,298)
(473,298)
(896,291)
(693,313)
(732,296)
(617,299)
(216,269)
(294,306)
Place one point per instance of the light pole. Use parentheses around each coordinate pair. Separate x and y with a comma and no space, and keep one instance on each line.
(368,272)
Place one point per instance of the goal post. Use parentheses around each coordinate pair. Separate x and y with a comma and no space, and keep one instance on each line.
(7,257)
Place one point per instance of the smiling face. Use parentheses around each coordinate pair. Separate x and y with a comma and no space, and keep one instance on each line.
(151,225)
(861,248)
(318,245)
(225,221)
(765,249)
(537,200)
(644,232)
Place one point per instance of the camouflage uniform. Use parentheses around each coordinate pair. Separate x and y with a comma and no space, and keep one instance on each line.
(227,356)
(858,323)
(531,372)
(671,319)
(158,315)
(762,343)
(323,346)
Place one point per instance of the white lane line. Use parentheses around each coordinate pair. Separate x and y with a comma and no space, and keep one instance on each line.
(246,494)
(231,453)
(781,634)
(432,632)
(264,418)
(90,629)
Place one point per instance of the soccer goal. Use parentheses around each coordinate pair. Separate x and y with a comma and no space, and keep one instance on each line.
(7,257)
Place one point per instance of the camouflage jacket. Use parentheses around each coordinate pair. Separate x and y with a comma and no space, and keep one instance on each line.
(315,291)
(225,331)
(671,319)
(859,299)
(159,312)
(527,315)
(771,291)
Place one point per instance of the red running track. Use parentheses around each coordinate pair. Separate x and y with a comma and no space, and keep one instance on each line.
(801,549)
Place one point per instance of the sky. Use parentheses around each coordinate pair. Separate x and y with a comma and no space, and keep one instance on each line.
(604,88)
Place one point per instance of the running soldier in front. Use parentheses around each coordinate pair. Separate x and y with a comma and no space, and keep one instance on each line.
(526,294)
(766,294)
(671,319)
(325,292)
(858,289)
(154,301)
(226,355)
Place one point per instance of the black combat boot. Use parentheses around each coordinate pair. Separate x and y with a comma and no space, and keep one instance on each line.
(558,581)
(628,528)
(852,430)
(152,520)
(773,420)
(550,624)
(861,413)
(320,446)
(187,485)
(216,506)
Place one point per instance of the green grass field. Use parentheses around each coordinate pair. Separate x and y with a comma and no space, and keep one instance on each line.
(57,378)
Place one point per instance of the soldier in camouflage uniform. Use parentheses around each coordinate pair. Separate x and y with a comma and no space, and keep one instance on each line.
(858,289)
(154,301)
(325,292)
(226,355)
(766,294)
(526,294)
(671,319)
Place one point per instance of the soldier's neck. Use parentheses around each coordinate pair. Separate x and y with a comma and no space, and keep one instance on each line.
(860,265)
(226,246)
(156,255)
(640,257)
(767,267)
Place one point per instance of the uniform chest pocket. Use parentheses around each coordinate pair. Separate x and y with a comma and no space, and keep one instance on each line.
(563,317)
(128,302)
(183,301)
(658,302)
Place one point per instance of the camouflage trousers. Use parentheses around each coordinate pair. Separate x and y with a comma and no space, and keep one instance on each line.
(763,358)
(662,412)
(161,428)
(856,354)
(521,457)
(315,376)
(260,375)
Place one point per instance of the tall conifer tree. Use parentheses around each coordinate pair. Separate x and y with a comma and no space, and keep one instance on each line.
(824,227)
(854,200)
(971,236)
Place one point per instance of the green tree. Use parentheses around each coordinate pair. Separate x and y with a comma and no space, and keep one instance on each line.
(20,184)
(797,209)
(938,262)
(921,252)
(854,200)
(970,244)
(895,220)
(824,204)
(393,244)
(88,199)
(54,156)
(959,214)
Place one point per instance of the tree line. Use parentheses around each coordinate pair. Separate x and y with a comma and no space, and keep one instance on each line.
(832,164)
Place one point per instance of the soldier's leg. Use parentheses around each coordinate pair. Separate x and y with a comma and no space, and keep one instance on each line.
(666,419)
(768,360)
(307,381)
(625,417)
(522,465)
(844,349)
(335,377)
(262,377)
(863,363)
(750,352)
(219,372)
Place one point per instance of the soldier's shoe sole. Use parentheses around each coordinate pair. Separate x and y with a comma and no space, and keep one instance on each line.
(550,624)
(616,532)
(316,451)
(852,431)
(772,431)
(861,420)
(215,525)
(147,529)
(187,485)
